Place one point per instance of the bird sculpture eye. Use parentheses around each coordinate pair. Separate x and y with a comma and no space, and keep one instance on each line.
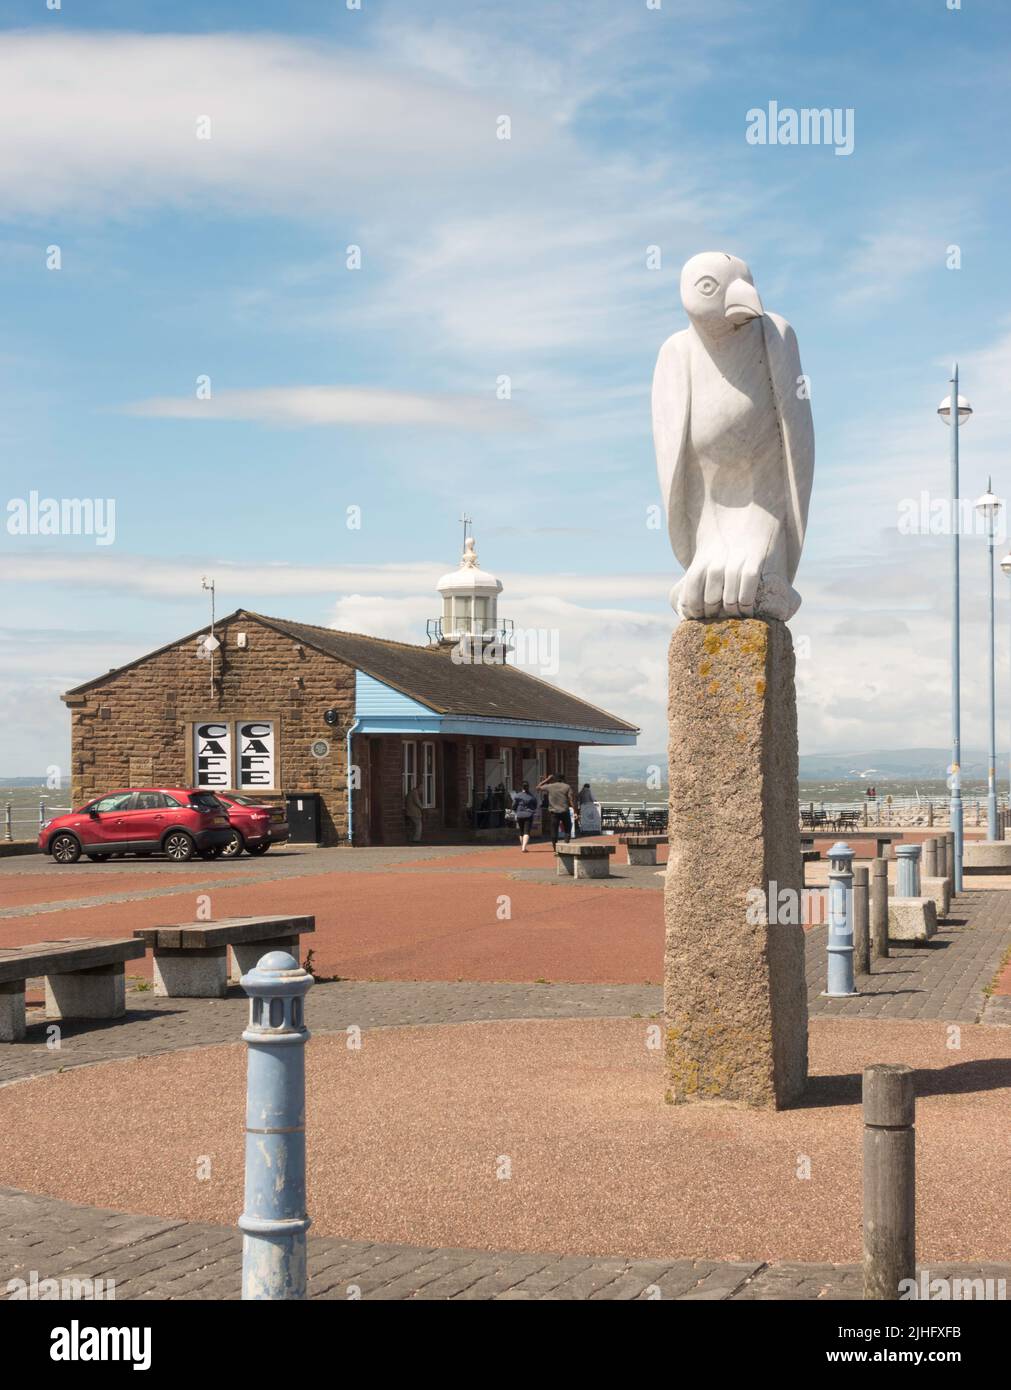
(707,285)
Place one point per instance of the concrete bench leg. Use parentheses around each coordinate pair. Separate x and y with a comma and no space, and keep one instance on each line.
(96,993)
(566,865)
(12,1011)
(246,955)
(594,868)
(642,854)
(191,974)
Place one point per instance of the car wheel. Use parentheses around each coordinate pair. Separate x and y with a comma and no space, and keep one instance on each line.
(234,846)
(211,852)
(65,849)
(179,846)
(258,849)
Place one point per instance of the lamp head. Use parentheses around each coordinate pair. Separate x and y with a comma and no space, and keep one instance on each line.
(964,409)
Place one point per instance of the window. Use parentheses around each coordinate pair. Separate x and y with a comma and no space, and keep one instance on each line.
(248,743)
(480,614)
(212,755)
(506,754)
(410,764)
(427,774)
(470,774)
(150,801)
(255,741)
(119,802)
(542,764)
(560,762)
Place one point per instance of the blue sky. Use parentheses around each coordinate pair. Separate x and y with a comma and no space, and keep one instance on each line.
(484,258)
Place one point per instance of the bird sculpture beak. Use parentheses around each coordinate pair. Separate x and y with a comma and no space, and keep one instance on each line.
(743,303)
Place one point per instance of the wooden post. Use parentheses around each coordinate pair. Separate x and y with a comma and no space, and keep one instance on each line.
(861,919)
(889,1179)
(879,909)
(930,858)
(950,861)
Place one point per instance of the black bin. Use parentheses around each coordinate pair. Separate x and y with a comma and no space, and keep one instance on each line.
(302,812)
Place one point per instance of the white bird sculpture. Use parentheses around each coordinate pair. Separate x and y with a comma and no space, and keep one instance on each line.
(734,446)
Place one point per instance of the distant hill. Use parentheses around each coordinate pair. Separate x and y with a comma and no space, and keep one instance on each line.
(904,763)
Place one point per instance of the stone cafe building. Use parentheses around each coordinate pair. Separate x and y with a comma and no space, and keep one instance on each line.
(282,710)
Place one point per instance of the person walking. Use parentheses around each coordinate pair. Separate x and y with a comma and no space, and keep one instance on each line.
(525,806)
(560,803)
(412,810)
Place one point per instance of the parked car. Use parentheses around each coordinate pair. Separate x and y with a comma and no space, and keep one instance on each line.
(255,826)
(174,821)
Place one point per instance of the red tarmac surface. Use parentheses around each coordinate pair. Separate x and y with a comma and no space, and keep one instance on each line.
(407,1136)
(405,922)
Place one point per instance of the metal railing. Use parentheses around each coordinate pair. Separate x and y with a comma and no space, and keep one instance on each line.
(34,819)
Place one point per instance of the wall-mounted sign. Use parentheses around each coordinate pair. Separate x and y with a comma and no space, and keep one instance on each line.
(212,755)
(255,739)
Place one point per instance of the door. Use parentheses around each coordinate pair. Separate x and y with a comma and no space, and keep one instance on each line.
(109,825)
(145,822)
(375,791)
(450,785)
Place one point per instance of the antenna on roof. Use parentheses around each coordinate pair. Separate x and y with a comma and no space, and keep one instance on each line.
(467,521)
(208,645)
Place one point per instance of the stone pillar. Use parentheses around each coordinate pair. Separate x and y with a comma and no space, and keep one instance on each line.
(735,998)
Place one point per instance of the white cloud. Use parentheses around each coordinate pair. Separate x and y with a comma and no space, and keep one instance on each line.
(106,123)
(243,582)
(338,405)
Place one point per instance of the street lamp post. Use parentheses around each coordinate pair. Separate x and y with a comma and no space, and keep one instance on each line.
(1005,565)
(988,506)
(962,412)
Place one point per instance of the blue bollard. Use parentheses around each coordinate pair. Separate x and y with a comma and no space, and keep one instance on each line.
(907,880)
(840,922)
(274,1220)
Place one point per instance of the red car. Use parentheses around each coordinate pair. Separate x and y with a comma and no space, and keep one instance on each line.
(145,820)
(255,827)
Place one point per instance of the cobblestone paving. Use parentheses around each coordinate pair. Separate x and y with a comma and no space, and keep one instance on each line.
(162,1025)
(151,1258)
(944,979)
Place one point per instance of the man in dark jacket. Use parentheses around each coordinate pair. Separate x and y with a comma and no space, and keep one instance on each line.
(560,804)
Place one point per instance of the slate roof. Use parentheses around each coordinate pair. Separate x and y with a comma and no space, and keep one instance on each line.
(430,676)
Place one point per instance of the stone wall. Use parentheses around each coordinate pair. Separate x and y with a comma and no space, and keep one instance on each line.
(135,729)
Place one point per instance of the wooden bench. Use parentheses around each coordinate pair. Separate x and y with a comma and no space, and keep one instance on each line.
(881,840)
(642,848)
(85,978)
(585,861)
(190,959)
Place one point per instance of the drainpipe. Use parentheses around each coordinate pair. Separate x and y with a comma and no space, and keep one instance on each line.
(352,727)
